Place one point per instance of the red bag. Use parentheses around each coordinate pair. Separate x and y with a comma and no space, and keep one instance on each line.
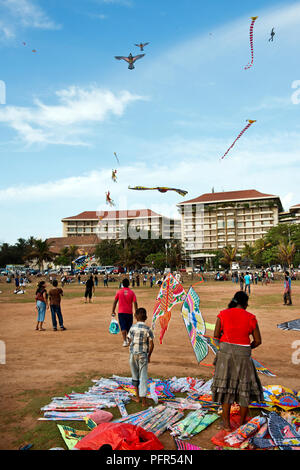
(120,436)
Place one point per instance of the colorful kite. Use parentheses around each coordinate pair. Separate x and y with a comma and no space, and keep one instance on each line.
(171,293)
(250,122)
(114,175)
(108,199)
(272,34)
(290,325)
(130,59)
(141,45)
(253,18)
(194,324)
(160,189)
(117,158)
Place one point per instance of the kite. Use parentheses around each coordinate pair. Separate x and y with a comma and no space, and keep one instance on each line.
(290,325)
(171,293)
(130,59)
(253,18)
(194,324)
(160,189)
(114,176)
(250,122)
(141,45)
(272,34)
(116,157)
(108,199)
(33,50)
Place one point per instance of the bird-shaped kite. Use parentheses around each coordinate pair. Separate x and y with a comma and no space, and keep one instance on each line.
(109,199)
(142,45)
(290,325)
(250,122)
(114,175)
(272,34)
(116,157)
(253,18)
(130,59)
(160,189)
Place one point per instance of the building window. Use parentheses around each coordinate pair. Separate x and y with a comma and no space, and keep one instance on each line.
(230,223)
(221,224)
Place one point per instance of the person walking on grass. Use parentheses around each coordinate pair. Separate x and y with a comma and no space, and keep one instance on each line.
(235,379)
(41,297)
(141,345)
(55,296)
(247,280)
(126,299)
(89,289)
(287,289)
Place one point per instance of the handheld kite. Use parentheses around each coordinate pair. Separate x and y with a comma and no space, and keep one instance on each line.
(194,324)
(114,175)
(141,45)
(160,189)
(108,199)
(130,59)
(250,122)
(253,18)
(290,325)
(170,294)
(272,34)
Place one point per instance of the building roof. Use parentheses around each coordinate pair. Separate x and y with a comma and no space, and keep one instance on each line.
(229,196)
(296,206)
(97,215)
(84,242)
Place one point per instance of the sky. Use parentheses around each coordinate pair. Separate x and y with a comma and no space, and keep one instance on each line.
(66,108)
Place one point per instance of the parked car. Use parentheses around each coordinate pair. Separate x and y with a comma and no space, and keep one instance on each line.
(118,270)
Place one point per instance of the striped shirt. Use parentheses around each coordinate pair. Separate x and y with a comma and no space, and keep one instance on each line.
(139,335)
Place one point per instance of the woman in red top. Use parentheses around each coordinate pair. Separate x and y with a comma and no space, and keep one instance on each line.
(235,378)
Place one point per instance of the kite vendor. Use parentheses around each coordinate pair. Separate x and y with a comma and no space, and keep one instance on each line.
(141,343)
(55,295)
(126,299)
(89,289)
(41,298)
(235,379)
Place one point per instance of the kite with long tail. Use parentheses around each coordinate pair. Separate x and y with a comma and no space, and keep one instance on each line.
(253,18)
(250,122)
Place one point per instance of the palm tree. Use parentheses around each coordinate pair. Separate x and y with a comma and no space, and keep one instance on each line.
(248,253)
(41,252)
(229,255)
(286,253)
(260,246)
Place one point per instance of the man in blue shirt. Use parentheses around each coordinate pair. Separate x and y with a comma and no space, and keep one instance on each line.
(247,280)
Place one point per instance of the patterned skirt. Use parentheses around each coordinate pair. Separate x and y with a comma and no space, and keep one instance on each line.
(235,379)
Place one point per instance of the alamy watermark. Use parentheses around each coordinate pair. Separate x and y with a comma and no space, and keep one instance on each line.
(2,352)
(296,354)
(2,92)
(295,98)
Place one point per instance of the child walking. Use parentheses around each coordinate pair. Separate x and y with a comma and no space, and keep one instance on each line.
(141,346)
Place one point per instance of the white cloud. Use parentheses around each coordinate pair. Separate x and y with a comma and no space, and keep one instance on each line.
(22,14)
(63,123)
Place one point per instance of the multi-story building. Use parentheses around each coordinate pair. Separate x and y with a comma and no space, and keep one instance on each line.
(215,220)
(122,224)
(290,217)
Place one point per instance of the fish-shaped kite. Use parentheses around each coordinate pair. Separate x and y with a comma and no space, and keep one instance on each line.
(161,189)
(142,45)
(250,122)
(253,18)
(290,325)
(130,59)
(109,199)
(114,175)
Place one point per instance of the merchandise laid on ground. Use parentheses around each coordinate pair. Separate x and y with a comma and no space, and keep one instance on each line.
(276,424)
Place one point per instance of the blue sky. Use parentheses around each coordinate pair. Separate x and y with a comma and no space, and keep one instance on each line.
(71,105)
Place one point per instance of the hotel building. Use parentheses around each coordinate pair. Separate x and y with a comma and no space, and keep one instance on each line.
(215,220)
